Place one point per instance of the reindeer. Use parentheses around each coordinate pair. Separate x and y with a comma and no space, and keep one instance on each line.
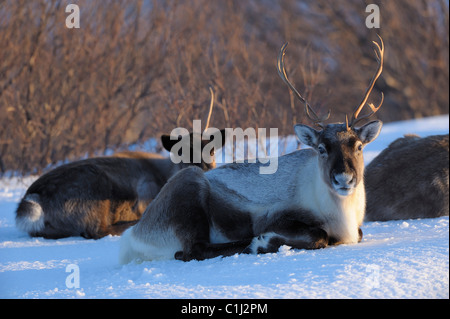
(315,198)
(409,179)
(99,196)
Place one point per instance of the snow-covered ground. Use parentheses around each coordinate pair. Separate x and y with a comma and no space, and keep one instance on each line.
(396,259)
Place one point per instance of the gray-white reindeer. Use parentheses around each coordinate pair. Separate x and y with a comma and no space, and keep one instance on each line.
(99,196)
(315,198)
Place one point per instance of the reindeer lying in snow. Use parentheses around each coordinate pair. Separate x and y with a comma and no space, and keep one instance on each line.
(409,179)
(95,197)
(315,198)
(99,196)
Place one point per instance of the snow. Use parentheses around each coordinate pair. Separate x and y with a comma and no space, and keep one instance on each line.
(396,259)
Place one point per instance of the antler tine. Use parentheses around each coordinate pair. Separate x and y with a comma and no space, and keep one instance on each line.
(379,53)
(211,105)
(373,108)
(308,109)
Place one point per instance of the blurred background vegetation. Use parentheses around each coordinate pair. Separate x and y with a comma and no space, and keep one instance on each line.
(137,69)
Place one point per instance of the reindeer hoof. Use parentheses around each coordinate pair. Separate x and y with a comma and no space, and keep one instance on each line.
(179,255)
(261,244)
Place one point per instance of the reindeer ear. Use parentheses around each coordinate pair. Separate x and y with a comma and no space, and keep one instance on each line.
(167,143)
(307,135)
(369,132)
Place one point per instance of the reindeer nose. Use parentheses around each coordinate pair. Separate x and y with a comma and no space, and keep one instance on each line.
(343,180)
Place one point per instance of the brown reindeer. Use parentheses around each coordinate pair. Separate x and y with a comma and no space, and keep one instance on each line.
(314,199)
(409,179)
(99,196)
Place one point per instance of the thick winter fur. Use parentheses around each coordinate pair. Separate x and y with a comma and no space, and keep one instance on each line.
(315,198)
(409,179)
(96,197)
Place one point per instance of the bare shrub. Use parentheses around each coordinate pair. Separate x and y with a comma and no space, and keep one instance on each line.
(136,69)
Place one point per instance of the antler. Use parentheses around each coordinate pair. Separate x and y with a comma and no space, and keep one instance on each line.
(211,105)
(379,53)
(308,109)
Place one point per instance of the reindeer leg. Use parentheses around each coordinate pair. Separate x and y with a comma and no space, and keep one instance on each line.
(201,251)
(270,242)
(285,228)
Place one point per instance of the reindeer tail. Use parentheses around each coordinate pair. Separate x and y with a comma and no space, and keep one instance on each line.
(29,214)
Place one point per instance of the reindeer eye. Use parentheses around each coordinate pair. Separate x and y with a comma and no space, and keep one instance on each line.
(322,149)
(360,147)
